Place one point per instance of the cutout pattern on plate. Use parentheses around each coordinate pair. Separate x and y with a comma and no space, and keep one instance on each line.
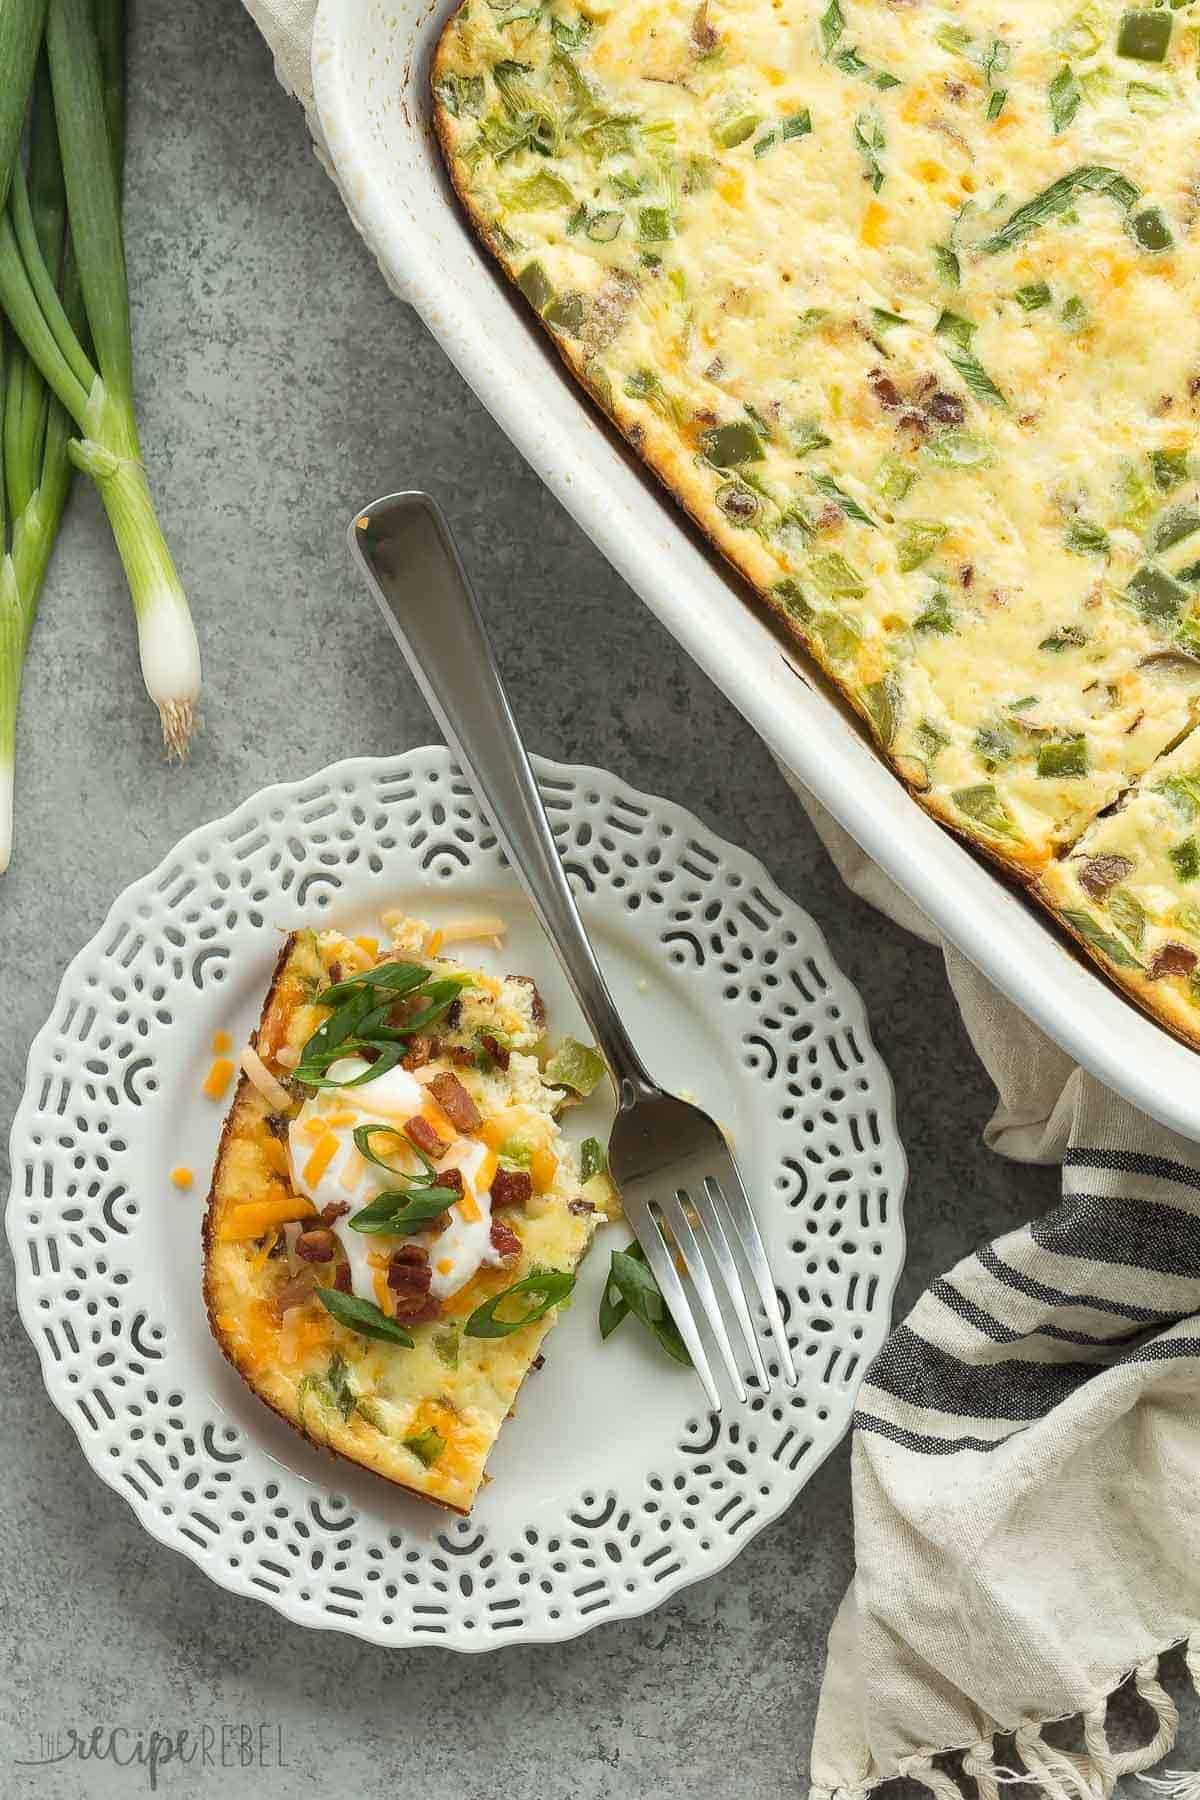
(145,1397)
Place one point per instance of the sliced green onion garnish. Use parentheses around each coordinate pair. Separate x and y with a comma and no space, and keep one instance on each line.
(1066,761)
(536,1294)
(362,1316)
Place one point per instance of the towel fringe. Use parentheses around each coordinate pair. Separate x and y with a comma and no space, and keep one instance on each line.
(1061,1774)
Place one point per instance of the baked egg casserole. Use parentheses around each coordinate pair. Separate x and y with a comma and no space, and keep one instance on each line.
(395,1217)
(900,300)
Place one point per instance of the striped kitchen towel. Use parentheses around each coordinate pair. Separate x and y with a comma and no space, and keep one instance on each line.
(1026,1455)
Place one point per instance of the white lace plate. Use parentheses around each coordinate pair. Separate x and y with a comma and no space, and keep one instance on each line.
(613,1486)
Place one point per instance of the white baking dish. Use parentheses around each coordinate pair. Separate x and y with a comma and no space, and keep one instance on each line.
(370,70)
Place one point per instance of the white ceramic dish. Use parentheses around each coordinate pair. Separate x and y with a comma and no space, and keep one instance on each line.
(370,70)
(613,1486)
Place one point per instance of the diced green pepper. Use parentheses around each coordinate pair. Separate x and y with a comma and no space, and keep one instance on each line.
(1128,915)
(1144,34)
(838,636)
(655,224)
(1150,231)
(1031,297)
(835,576)
(568,313)
(1185,857)
(1082,538)
(536,193)
(1169,467)
(602,227)
(1065,761)
(984,805)
(735,128)
(576,1066)
(893,479)
(937,616)
(534,283)
(791,597)
(426,1446)
(916,541)
(882,700)
(725,446)
(1171,527)
(1158,596)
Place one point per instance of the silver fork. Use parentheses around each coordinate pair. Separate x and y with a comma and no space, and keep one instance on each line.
(670,1161)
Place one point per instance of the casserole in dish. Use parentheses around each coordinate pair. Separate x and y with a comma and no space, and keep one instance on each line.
(372,69)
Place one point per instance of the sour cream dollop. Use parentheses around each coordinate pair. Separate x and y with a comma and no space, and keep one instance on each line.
(346,1177)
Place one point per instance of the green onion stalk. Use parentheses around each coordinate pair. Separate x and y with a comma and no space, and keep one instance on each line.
(35,470)
(94,386)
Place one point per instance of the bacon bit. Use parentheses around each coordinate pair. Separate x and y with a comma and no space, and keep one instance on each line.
(317,1246)
(409,1271)
(511,1187)
(335,972)
(1171,959)
(505,1241)
(341,1279)
(1100,873)
(539,1362)
(453,1180)
(580,1207)
(276,1124)
(455,1102)
(222,1043)
(885,390)
(421,1133)
(182,1177)
(419,1052)
(218,1078)
(946,408)
(492,1047)
(830,517)
(966,575)
(538,1010)
(416,1309)
(333,1211)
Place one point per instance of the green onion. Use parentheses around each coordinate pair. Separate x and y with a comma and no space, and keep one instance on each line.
(826,485)
(100,398)
(937,617)
(593,1158)
(538,1293)
(631,1288)
(1128,915)
(1033,296)
(362,1316)
(735,128)
(1103,941)
(871,140)
(1057,199)
(957,335)
(1064,98)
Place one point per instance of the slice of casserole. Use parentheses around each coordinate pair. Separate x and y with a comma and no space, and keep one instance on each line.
(395,1217)
(897,301)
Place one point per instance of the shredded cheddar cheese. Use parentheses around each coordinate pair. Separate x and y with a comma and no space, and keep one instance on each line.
(218,1078)
(182,1176)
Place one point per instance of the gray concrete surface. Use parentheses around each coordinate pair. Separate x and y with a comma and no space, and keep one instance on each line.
(281,385)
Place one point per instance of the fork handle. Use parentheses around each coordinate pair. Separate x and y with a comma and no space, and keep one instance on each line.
(404,545)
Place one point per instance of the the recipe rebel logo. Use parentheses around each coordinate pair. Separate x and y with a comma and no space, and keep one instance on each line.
(152,1750)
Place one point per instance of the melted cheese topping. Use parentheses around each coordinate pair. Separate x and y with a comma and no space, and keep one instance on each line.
(900,301)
